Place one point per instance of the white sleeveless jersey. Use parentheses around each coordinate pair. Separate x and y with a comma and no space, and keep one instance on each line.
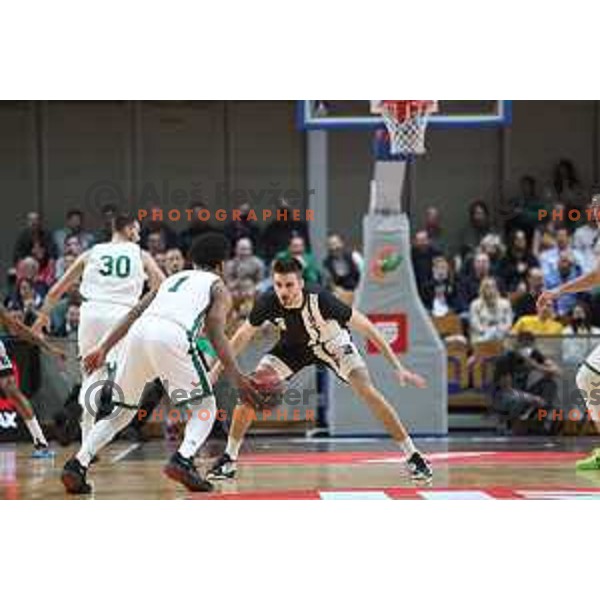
(114,272)
(184,298)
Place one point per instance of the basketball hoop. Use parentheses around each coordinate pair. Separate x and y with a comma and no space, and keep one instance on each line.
(406,122)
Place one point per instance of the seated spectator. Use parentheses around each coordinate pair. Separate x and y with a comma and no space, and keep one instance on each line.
(277,234)
(58,316)
(581,335)
(174,261)
(29,268)
(73,227)
(567,186)
(492,245)
(104,234)
(542,323)
(297,249)
(524,300)
(524,380)
(46,265)
(197,227)
(244,265)
(33,232)
(339,267)
(525,209)
(155,243)
(440,295)
(25,300)
(433,227)
(151,226)
(517,262)
(586,238)
(490,315)
(242,296)
(422,254)
(549,258)
(478,227)
(72,248)
(566,270)
(160,258)
(71,323)
(469,280)
(235,230)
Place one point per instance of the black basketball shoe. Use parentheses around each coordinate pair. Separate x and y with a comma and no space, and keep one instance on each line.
(184,471)
(419,468)
(74,478)
(224,468)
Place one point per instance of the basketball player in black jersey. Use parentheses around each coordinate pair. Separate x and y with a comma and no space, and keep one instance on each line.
(313,326)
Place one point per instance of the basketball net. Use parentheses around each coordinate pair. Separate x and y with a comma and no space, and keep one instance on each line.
(406,122)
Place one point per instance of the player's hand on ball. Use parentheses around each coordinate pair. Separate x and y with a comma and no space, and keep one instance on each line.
(406,377)
(247,391)
(94,360)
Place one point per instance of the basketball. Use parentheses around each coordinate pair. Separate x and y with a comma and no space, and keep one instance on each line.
(270,387)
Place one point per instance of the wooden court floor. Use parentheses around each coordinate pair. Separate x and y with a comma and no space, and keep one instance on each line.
(298,468)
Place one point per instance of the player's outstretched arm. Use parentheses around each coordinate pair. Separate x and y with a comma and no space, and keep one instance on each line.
(155,275)
(363,325)
(583,283)
(23,332)
(97,357)
(239,342)
(58,290)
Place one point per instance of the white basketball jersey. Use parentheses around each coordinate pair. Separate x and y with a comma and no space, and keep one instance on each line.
(184,298)
(114,272)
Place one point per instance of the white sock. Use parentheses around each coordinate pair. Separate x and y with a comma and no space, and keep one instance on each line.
(102,433)
(233,447)
(36,431)
(198,427)
(407,447)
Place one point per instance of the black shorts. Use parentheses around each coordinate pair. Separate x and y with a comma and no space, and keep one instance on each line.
(340,355)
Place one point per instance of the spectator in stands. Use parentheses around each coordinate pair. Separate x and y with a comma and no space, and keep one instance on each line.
(174,261)
(25,300)
(586,238)
(524,301)
(297,249)
(422,254)
(517,262)
(440,295)
(155,243)
(71,323)
(567,185)
(104,234)
(433,227)
(566,270)
(72,248)
(242,228)
(244,265)
(46,265)
(33,232)
(478,227)
(277,234)
(582,336)
(543,322)
(73,228)
(339,267)
(525,209)
(469,282)
(29,268)
(492,245)
(152,225)
(242,296)
(549,258)
(197,227)
(490,315)
(524,380)
(160,258)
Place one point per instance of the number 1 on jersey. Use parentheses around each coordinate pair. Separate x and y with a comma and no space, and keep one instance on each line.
(178,283)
